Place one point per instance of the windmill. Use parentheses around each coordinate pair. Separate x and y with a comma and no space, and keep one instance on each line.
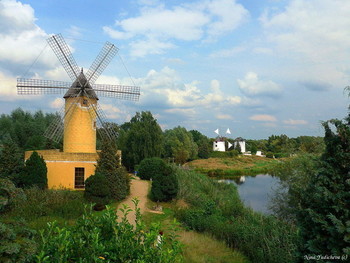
(81,115)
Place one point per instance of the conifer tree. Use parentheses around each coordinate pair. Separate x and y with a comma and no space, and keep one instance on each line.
(109,166)
(11,160)
(35,172)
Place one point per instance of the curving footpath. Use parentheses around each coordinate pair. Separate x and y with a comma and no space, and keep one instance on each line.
(138,189)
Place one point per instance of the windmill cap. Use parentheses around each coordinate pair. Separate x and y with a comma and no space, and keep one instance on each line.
(78,85)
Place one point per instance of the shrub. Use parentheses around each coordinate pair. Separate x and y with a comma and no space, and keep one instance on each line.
(108,165)
(97,189)
(164,185)
(103,237)
(10,195)
(39,203)
(150,167)
(35,172)
(17,243)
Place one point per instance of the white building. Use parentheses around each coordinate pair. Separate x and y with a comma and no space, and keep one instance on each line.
(241,142)
(219,145)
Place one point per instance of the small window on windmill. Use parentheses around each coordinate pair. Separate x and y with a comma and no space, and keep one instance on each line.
(79,178)
(94,125)
(85,102)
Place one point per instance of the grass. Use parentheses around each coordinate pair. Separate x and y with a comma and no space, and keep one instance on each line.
(233,166)
(216,209)
(197,247)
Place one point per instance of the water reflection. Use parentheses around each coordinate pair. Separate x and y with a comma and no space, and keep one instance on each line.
(254,190)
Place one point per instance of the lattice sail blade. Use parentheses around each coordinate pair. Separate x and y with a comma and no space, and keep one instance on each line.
(39,86)
(105,131)
(117,91)
(56,128)
(101,62)
(64,55)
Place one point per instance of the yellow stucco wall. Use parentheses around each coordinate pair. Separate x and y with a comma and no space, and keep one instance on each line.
(79,126)
(61,166)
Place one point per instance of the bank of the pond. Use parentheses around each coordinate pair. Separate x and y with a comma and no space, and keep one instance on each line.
(216,208)
(255,191)
(234,166)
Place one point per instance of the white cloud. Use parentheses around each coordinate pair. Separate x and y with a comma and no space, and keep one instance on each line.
(111,111)
(7,86)
(57,103)
(157,27)
(263,117)
(251,85)
(21,39)
(224,117)
(316,29)
(141,48)
(295,122)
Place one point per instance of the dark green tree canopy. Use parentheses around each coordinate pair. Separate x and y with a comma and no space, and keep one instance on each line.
(108,165)
(324,217)
(35,172)
(179,144)
(141,138)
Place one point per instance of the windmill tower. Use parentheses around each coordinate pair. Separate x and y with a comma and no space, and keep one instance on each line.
(80,117)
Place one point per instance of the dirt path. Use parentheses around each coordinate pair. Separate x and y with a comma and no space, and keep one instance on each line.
(139,190)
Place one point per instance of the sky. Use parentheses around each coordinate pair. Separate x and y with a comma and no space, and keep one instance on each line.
(257,67)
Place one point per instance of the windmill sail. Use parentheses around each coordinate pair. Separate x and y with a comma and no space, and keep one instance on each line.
(228,131)
(229,145)
(217,131)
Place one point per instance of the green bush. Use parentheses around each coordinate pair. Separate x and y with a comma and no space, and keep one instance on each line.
(40,204)
(164,185)
(35,172)
(216,154)
(103,237)
(150,168)
(108,165)
(10,195)
(97,189)
(17,243)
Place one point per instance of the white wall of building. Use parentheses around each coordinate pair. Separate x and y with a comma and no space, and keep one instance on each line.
(219,146)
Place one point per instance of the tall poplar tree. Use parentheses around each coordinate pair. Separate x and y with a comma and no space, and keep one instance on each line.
(324,217)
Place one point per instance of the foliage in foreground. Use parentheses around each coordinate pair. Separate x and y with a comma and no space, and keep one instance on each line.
(217,209)
(324,217)
(17,243)
(105,238)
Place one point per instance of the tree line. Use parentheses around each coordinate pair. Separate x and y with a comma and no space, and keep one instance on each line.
(142,137)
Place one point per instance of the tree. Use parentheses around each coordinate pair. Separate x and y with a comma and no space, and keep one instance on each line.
(109,166)
(203,144)
(141,138)
(150,167)
(178,143)
(324,217)
(164,184)
(35,172)
(97,189)
(11,160)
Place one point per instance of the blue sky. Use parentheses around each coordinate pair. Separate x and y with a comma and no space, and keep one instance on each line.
(258,67)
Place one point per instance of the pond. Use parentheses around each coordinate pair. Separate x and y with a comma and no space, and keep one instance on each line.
(255,190)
